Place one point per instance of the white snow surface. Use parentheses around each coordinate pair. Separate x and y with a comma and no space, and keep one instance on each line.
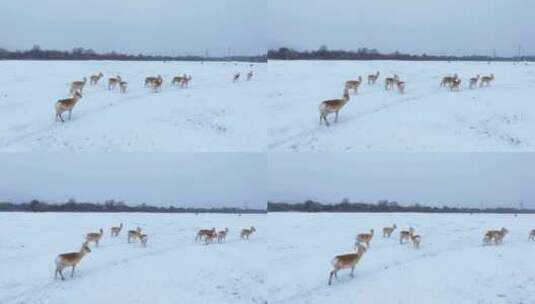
(426,118)
(452,265)
(173,268)
(213,114)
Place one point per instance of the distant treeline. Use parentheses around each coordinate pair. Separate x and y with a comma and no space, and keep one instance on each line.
(112,206)
(373,54)
(36,53)
(381,206)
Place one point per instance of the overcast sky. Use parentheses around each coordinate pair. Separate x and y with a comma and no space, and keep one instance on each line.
(415,26)
(149,26)
(465,179)
(180,179)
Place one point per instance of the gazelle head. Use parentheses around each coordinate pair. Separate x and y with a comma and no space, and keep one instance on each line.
(504,230)
(226,229)
(138,229)
(371,231)
(101,231)
(85,248)
(394,226)
(360,78)
(121,225)
(100,75)
(77,94)
(411,230)
(253,229)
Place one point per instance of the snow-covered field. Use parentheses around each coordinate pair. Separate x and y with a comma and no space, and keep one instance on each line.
(451,266)
(425,118)
(213,114)
(173,268)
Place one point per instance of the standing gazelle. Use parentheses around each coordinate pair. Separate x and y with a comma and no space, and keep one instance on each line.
(364,238)
(353,85)
(222,235)
(390,81)
(332,106)
(245,233)
(143,238)
(94,236)
(405,235)
(78,86)
(116,230)
(70,259)
(68,104)
(455,84)
(486,80)
(93,80)
(401,86)
(387,231)
(372,78)
(134,234)
(113,82)
(123,86)
(203,233)
(346,261)
(474,81)
(416,240)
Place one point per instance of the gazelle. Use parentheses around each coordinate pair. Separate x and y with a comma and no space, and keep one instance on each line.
(134,234)
(116,230)
(364,238)
(387,231)
(353,85)
(123,85)
(447,80)
(390,81)
(416,239)
(332,106)
(156,85)
(236,77)
(211,236)
(70,260)
(113,82)
(143,238)
(346,261)
(405,235)
(176,80)
(222,235)
(249,75)
(93,80)
(185,80)
(532,235)
(474,81)
(149,80)
(94,236)
(68,104)
(204,232)
(486,80)
(245,233)
(496,235)
(455,84)
(401,86)
(372,78)
(78,86)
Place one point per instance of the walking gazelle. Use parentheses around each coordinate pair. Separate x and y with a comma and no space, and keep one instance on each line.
(67,104)
(70,260)
(405,235)
(78,86)
(93,80)
(353,85)
(203,233)
(116,230)
(364,238)
(390,81)
(474,81)
(486,80)
(332,106)
(114,82)
(134,234)
(372,78)
(245,233)
(222,235)
(496,235)
(94,236)
(346,261)
(387,231)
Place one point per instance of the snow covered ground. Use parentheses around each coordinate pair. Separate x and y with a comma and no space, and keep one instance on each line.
(171,269)
(426,118)
(451,266)
(213,114)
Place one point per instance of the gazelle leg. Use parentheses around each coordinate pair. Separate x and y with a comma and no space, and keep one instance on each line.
(72,271)
(352,270)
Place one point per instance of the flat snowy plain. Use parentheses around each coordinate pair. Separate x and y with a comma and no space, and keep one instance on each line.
(451,266)
(213,114)
(426,118)
(173,268)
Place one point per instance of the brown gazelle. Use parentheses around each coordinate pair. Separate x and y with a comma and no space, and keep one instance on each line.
(114,82)
(78,86)
(447,80)
(416,240)
(332,106)
(496,235)
(94,236)
(250,75)
(93,80)
(532,235)
(222,235)
(474,81)
(143,238)
(123,86)
(210,237)
(149,80)
(156,85)
(134,234)
(245,233)
(236,77)
(185,81)
(390,81)
(116,230)
(68,104)
(486,80)
(364,238)
(353,85)
(387,231)
(346,261)
(401,86)
(372,78)
(202,233)
(455,84)
(70,260)
(405,235)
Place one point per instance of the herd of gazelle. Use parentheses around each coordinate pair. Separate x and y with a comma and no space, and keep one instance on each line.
(72,259)
(154,82)
(362,244)
(335,105)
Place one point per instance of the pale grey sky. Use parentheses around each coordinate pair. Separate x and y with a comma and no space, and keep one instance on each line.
(166,27)
(415,26)
(180,179)
(437,179)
